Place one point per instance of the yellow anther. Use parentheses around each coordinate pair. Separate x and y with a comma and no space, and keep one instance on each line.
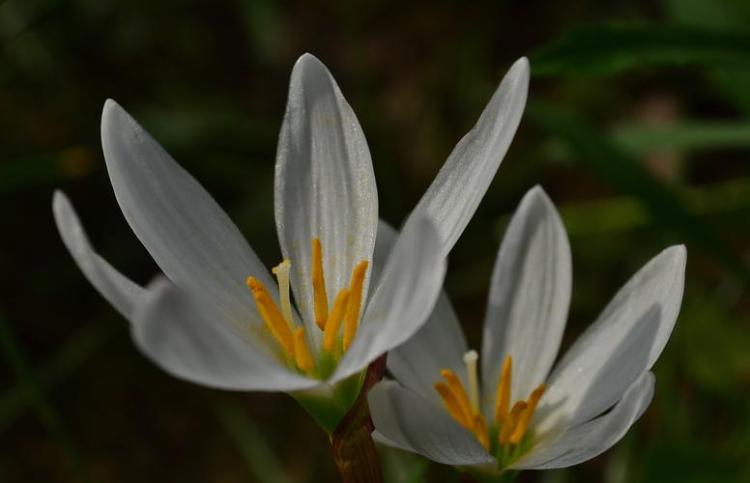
(502,401)
(457,388)
(528,413)
(509,425)
(334,321)
(320,298)
(479,428)
(351,318)
(269,312)
(302,356)
(282,275)
(451,404)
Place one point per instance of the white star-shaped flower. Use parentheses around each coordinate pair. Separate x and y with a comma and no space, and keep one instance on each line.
(522,414)
(218,317)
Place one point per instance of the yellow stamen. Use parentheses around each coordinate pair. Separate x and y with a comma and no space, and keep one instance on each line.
(334,320)
(523,421)
(320,298)
(454,383)
(282,275)
(302,356)
(355,303)
(271,316)
(480,431)
(510,423)
(451,404)
(470,359)
(502,401)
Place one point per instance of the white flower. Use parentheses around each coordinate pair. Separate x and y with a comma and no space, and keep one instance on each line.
(218,317)
(523,416)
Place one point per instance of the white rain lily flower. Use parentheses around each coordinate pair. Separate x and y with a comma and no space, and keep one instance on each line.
(218,317)
(519,415)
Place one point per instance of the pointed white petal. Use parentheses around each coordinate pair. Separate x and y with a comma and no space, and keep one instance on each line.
(413,423)
(439,344)
(529,297)
(626,340)
(404,298)
(463,180)
(183,228)
(120,291)
(189,341)
(590,439)
(325,186)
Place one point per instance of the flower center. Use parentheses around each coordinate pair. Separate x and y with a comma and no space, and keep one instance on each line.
(290,338)
(505,437)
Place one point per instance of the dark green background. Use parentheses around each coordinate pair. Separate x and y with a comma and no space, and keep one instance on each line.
(638,126)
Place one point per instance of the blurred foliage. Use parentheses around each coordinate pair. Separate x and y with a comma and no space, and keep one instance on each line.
(638,127)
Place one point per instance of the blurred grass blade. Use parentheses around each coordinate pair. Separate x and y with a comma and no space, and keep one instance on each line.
(606,49)
(725,15)
(641,139)
(258,456)
(721,201)
(402,467)
(76,350)
(44,411)
(623,172)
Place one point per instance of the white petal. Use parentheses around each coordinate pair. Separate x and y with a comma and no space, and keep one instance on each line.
(529,297)
(626,340)
(120,291)
(190,342)
(439,344)
(183,228)
(386,238)
(463,180)
(410,422)
(325,186)
(590,439)
(404,298)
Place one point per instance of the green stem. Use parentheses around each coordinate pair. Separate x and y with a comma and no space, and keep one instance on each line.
(352,446)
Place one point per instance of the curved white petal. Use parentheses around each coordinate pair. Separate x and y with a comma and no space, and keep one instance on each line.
(324,187)
(439,344)
(626,339)
(410,422)
(119,291)
(189,341)
(183,228)
(454,195)
(528,299)
(590,439)
(403,299)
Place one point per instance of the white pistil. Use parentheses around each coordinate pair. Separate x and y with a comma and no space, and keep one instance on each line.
(470,359)
(282,275)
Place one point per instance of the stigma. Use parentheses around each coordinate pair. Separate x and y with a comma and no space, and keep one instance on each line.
(510,422)
(338,325)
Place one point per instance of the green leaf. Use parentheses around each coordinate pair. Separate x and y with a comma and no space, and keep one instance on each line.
(608,49)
